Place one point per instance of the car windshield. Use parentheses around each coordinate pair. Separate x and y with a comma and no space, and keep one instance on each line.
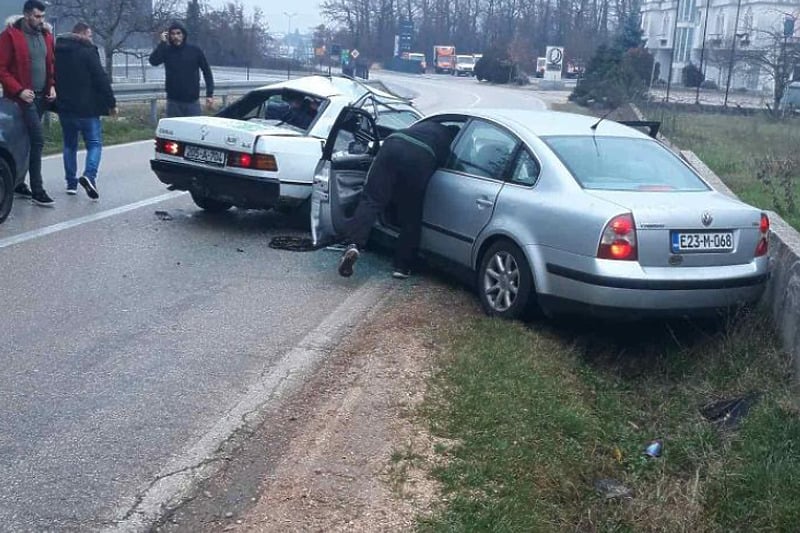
(466,59)
(621,163)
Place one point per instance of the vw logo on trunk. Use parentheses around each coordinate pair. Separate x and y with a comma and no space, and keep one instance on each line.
(706,218)
(203,132)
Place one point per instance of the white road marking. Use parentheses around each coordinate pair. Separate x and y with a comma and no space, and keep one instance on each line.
(61,226)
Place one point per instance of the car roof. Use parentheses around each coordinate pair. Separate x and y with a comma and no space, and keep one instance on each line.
(549,123)
(329,87)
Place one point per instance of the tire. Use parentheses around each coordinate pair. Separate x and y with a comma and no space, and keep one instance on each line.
(505,294)
(6,190)
(209,204)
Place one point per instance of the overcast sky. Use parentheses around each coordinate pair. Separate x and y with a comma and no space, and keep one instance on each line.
(307,16)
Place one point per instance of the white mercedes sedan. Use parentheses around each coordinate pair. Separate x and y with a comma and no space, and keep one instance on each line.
(260,151)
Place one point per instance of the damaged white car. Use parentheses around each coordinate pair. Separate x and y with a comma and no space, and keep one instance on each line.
(260,152)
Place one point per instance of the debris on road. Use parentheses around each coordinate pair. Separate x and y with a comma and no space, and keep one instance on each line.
(654,449)
(293,243)
(163,215)
(728,413)
(611,489)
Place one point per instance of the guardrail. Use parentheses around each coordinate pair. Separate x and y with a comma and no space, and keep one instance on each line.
(154,91)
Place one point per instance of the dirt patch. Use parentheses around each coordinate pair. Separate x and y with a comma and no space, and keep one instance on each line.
(358,463)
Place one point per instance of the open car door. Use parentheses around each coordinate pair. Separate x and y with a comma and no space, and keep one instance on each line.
(341,173)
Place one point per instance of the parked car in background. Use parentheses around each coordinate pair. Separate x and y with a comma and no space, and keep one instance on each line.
(563,213)
(14,148)
(260,151)
(465,65)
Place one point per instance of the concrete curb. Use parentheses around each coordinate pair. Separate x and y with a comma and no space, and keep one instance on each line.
(782,295)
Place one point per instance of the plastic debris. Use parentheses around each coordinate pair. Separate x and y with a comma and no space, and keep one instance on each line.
(728,413)
(611,489)
(163,215)
(292,243)
(654,449)
(617,453)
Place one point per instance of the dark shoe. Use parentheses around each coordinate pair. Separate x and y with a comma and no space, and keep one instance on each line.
(23,190)
(41,198)
(91,190)
(349,258)
(401,273)
(72,189)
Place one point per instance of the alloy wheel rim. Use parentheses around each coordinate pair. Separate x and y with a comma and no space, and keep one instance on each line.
(501,281)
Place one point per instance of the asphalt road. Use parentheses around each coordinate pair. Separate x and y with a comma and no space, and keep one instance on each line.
(135,346)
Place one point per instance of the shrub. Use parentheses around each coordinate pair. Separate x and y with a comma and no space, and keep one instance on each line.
(709,84)
(495,66)
(692,76)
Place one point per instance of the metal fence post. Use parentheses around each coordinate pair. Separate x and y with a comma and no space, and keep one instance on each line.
(154,111)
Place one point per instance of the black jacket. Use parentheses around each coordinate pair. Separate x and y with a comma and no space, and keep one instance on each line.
(182,66)
(437,136)
(82,86)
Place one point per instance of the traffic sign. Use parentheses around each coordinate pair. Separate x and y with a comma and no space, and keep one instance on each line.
(354,53)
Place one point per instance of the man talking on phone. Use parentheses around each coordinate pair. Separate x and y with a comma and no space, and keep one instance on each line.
(183,63)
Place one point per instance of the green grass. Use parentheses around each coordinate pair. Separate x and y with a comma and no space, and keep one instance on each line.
(132,124)
(536,414)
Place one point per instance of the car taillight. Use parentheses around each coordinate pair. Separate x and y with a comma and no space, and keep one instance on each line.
(254,161)
(619,239)
(166,146)
(763,243)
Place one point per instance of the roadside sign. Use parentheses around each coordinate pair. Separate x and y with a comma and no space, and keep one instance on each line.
(354,53)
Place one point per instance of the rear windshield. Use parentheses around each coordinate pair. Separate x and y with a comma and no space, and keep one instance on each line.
(395,119)
(623,164)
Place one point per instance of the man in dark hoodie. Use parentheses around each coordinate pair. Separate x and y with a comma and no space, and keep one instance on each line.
(405,163)
(84,95)
(182,65)
(27,76)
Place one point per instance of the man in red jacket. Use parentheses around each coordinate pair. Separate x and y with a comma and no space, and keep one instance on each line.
(27,77)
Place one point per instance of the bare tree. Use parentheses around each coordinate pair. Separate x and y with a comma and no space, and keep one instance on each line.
(114,22)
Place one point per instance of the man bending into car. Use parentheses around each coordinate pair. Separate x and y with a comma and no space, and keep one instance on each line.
(405,163)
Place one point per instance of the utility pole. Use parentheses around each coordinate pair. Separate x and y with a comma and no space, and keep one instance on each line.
(288,34)
(702,52)
(733,52)
(672,47)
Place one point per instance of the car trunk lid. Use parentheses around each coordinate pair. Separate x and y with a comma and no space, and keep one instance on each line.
(217,132)
(689,229)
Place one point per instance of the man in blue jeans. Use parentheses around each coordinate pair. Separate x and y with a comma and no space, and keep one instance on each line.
(84,94)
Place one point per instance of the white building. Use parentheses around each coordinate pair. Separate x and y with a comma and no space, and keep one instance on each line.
(759,21)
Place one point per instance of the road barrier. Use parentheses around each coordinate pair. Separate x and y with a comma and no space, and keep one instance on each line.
(154,91)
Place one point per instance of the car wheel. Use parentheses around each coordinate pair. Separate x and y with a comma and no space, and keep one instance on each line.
(209,204)
(504,283)
(6,190)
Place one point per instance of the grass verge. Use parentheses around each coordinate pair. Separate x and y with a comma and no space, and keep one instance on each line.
(132,124)
(539,413)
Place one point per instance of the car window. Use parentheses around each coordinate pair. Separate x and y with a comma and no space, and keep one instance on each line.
(526,170)
(395,119)
(621,163)
(482,150)
(292,109)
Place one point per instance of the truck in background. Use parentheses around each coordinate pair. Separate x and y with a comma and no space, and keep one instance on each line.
(465,65)
(444,59)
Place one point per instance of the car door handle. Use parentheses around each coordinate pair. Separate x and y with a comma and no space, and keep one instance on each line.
(484,203)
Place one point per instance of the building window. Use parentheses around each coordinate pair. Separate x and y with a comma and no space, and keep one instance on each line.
(686,10)
(720,26)
(665,25)
(684,45)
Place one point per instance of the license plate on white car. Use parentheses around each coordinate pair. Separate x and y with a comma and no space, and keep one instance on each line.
(204,155)
(720,241)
